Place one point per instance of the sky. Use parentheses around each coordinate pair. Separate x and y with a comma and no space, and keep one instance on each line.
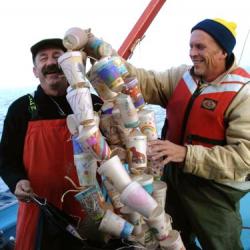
(166,41)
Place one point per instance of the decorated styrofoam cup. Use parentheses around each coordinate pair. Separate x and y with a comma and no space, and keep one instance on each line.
(157,222)
(137,156)
(92,202)
(91,138)
(72,124)
(172,242)
(72,66)
(119,63)
(128,111)
(160,192)
(147,124)
(114,195)
(86,166)
(98,48)
(146,181)
(169,221)
(75,38)
(115,225)
(154,168)
(114,170)
(80,101)
(137,198)
(146,239)
(133,217)
(101,88)
(109,73)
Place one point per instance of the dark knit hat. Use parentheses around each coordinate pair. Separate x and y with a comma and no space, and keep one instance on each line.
(46,43)
(222,31)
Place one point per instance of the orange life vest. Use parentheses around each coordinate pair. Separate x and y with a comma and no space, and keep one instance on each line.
(197,115)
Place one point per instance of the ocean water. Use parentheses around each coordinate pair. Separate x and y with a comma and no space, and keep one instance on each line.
(7,96)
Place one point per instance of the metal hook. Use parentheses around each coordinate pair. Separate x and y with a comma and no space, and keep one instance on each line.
(37,200)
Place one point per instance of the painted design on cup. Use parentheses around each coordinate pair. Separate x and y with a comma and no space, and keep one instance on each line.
(128,111)
(137,158)
(98,145)
(147,124)
(115,225)
(72,66)
(92,202)
(90,137)
(109,74)
(81,103)
(131,88)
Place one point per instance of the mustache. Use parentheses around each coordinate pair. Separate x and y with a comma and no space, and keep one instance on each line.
(53,68)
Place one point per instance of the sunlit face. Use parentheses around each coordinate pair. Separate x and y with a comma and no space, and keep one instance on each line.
(207,56)
(52,79)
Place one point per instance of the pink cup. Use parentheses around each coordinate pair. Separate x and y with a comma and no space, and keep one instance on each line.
(90,137)
(136,197)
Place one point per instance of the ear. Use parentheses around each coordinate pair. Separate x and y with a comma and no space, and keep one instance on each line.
(35,71)
(224,53)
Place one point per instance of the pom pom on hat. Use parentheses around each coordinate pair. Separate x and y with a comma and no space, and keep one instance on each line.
(222,31)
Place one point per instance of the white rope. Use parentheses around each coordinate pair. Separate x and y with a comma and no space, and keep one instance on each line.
(244,45)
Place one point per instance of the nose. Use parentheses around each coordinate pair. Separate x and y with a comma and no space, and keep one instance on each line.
(51,60)
(193,52)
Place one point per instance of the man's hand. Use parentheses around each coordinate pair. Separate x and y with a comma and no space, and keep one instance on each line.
(165,151)
(23,190)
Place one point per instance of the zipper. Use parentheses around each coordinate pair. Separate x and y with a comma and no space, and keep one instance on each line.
(196,93)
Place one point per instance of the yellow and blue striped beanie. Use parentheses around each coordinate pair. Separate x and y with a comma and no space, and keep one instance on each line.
(222,31)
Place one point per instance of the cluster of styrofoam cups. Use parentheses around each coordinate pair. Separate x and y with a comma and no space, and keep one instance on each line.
(138,200)
(137,195)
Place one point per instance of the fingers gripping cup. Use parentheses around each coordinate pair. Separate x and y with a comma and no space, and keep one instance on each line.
(115,225)
(115,172)
(72,66)
(137,198)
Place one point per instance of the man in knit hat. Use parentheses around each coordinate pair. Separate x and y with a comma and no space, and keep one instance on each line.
(206,142)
